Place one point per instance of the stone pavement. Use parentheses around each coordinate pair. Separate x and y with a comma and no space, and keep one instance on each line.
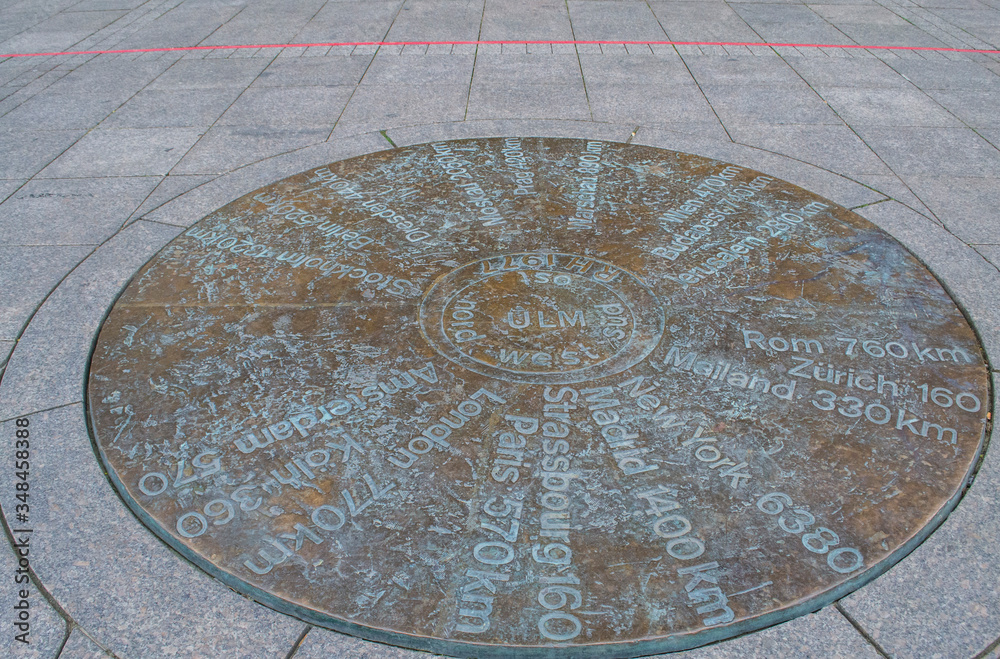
(104,158)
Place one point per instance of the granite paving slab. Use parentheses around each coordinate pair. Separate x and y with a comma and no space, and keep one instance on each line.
(320,71)
(702,21)
(224,148)
(341,21)
(124,152)
(48,211)
(27,274)
(513,20)
(180,108)
(46,630)
(81,646)
(28,151)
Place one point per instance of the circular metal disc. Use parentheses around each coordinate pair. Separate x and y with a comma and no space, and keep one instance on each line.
(538,397)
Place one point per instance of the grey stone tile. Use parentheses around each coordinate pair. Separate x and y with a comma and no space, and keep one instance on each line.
(322,644)
(506,127)
(955,4)
(987,33)
(46,111)
(789,23)
(287,106)
(826,634)
(858,14)
(175,108)
(553,101)
(519,21)
(93,5)
(43,372)
(186,25)
(768,105)
(71,211)
(12,69)
(675,103)
(848,72)
(823,634)
(78,305)
(17,20)
(225,148)
(47,629)
(941,601)
(749,71)
(437,20)
(627,20)
(116,79)
(25,152)
(309,71)
(8,186)
(894,188)
(702,129)
(431,70)
(499,69)
(711,20)
(890,35)
(836,148)
(210,73)
(967,18)
(990,252)
(379,107)
(913,151)
(638,71)
(124,152)
(141,599)
(199,202)
(948,75)
(886,107)
(59,32)
(80,646)
(27,274)
(169,188)
(353,21)
(5,349)
(265,22)
(991,135)
(968,207)
(974,107)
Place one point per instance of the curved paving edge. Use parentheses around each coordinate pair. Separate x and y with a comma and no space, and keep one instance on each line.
(137,598)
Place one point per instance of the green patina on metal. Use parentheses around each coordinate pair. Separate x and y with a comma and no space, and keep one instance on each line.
(538,397)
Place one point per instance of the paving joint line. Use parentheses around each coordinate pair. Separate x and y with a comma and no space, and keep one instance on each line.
(298,642)
(579,61)
(990,649)
(862,631)
(208,129)
(357,85)
(870,148)
(475,60)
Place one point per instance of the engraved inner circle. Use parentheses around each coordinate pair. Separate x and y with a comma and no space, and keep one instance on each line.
(538,321)
(544,315)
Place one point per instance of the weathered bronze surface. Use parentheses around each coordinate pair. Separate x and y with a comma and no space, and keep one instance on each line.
(538,397)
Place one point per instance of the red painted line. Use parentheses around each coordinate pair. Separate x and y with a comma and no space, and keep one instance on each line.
(510,43)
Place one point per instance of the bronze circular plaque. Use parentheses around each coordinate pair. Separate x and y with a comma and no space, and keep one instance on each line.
(538,397)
